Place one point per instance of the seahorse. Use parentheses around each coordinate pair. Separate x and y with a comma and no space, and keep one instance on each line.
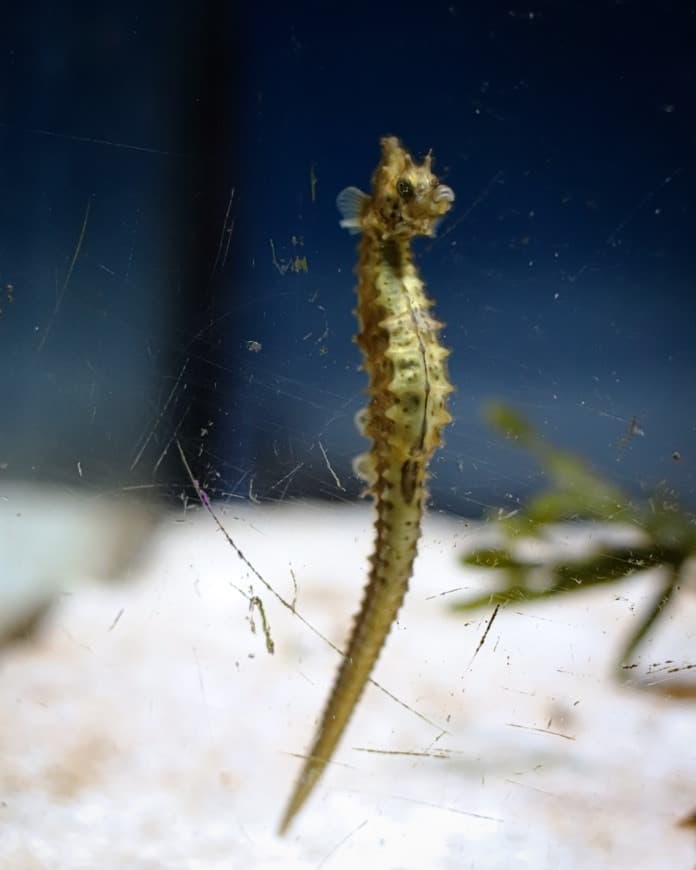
(408,389)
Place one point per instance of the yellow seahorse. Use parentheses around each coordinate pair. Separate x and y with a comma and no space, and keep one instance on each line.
(408,390)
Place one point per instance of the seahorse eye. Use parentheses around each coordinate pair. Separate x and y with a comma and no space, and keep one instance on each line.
(404,189)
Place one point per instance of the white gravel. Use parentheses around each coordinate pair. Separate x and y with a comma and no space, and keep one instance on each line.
(163,737)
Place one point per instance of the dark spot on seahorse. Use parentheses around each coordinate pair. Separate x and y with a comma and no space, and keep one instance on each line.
(392,256)
(405,189)
(409,480)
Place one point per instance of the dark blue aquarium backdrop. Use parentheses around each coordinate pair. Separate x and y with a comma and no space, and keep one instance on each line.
(172,272)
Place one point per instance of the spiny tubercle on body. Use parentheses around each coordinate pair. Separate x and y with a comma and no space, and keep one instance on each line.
(408,389)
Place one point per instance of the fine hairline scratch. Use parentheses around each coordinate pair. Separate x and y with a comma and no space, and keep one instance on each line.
(328,465)
(71,269)
(205,502)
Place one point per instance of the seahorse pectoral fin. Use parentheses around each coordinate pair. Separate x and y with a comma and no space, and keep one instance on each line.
(350,202)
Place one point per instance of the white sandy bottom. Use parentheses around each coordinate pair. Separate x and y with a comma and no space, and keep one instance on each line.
(165,740)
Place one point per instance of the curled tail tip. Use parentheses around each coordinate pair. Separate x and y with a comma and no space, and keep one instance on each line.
(285,823)
(291,810)
(303,789)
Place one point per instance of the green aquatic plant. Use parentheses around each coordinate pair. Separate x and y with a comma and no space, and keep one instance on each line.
(656,532)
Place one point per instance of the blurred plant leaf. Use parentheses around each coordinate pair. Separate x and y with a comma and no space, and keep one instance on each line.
(576,492)
(509,423)
(490,559)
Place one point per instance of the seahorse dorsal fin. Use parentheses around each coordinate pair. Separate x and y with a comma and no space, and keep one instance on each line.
(350,203)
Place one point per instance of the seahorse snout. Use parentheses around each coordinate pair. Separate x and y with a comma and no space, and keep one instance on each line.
(443,193)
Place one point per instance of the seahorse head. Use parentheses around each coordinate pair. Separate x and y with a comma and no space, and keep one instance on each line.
(407,198)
